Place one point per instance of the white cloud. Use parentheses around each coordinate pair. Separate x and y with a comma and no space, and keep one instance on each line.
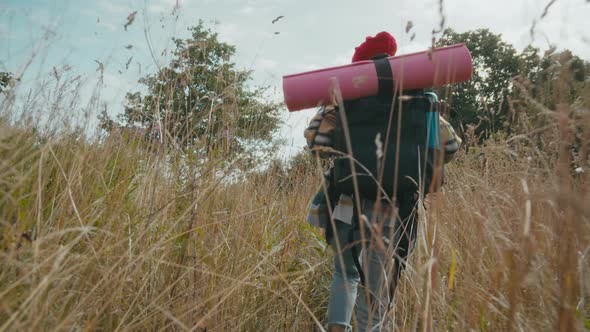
(258,8)
(108,26)
(561,26)
(229,32)
(166,6)
(116,86)
(115,7)
(265,64)
(247,10)
(302,67)
(342,59)
(156,8)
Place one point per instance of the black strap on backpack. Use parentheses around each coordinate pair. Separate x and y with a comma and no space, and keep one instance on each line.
(332,197)
(385,93)
(384,76)
(412,136)
(353,247)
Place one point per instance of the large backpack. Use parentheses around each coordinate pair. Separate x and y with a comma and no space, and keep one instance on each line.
(394,145)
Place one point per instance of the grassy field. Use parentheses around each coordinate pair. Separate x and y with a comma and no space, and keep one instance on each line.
(121,234)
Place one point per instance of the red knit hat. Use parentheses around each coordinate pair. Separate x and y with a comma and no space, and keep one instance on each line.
(382,43)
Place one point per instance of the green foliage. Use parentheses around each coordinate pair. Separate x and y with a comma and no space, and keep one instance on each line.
(5,79)
(201,99)
(557,77)
(558,82)
(482,100)
(488,103)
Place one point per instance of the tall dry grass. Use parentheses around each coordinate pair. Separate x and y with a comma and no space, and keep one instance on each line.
(118,235)
(504,247)
(111,236)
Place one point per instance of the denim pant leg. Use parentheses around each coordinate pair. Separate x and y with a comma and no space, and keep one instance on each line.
(378,268)
(345,278)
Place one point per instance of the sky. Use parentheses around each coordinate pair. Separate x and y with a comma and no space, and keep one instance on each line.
(38,35)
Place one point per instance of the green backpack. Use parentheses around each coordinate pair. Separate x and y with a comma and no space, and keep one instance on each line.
(394,144)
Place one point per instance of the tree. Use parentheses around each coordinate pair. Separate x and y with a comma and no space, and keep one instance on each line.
(556,78)
(201,100)
(5,79)
(482,101)
(559,77)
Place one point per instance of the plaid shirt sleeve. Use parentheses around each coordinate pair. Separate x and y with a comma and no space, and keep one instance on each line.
(317,213)
(320,130)
(449,139)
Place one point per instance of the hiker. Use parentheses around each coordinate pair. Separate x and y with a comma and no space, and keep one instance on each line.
(371,247)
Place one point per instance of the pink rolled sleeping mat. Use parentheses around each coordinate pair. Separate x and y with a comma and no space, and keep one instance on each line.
(432,68)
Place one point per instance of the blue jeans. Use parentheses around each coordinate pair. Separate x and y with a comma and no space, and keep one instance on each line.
(372,303)
(376,256)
